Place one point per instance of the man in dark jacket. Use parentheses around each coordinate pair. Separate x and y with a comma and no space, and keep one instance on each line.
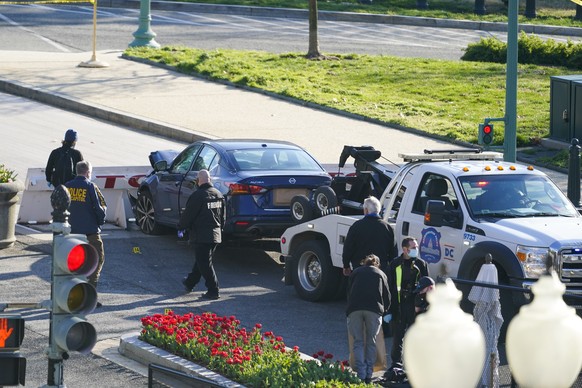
(87,210)
(370,235)
(204,218)
(403,275)
(368,300)
(60,167)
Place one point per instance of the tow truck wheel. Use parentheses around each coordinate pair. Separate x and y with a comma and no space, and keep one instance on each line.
(301,209)
(324,198)
(314,277)
(145,214)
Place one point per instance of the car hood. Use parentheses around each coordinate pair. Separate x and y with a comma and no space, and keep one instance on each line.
(539,231)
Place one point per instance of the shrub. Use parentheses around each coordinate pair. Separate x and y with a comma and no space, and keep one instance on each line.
(531,49)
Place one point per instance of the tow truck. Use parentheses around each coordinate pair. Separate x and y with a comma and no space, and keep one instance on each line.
(459,205)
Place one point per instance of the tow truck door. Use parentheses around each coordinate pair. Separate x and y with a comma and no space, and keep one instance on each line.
(437,245)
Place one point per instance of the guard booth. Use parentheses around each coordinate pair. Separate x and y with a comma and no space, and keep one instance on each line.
(566,107)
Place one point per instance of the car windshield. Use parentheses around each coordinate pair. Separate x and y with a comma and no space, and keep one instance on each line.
(512,196)
(274,159)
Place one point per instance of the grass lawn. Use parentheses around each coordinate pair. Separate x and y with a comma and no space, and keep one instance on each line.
(444,98)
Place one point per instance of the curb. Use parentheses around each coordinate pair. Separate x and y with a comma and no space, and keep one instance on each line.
(341,16)
(131,347)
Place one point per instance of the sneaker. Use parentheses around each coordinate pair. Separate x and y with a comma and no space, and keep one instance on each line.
(210,296)
(186,286)
(98,305)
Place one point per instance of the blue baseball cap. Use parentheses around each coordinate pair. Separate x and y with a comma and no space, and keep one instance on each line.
(71,135)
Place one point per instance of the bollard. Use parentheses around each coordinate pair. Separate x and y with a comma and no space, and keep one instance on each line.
(574,173)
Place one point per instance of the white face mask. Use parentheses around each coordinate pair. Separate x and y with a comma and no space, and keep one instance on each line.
(413,253)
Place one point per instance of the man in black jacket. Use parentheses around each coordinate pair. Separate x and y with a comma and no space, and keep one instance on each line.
(60,167)
(370,235)
(404,274)
(204,218)
(368,300)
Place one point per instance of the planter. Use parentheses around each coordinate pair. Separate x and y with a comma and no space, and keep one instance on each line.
(8,212)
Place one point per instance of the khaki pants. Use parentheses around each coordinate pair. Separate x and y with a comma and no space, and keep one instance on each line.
(381,361)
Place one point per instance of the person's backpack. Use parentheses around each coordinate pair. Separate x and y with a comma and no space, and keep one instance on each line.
(64,169)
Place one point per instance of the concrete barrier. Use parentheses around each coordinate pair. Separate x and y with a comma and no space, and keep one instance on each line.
(114,183)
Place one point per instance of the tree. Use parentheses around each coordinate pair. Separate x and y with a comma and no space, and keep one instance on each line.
(313,50)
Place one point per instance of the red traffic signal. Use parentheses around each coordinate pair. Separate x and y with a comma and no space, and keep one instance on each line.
(485,134)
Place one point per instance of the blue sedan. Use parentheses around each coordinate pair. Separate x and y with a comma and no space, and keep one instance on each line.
(258,178)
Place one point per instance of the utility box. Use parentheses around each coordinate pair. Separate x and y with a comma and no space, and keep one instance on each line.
(566,107)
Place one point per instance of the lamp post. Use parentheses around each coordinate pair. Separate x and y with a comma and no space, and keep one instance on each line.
(444,347)
(144,36)
(544,341)
(510,141)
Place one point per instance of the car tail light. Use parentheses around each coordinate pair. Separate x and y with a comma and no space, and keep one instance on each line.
(238,189)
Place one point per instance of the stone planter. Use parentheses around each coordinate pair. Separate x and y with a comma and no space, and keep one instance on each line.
(8,212)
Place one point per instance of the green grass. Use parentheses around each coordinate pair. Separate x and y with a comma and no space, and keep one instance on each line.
(444,98)
(552,12)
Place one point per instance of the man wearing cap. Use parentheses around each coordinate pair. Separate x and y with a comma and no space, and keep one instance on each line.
(60,167)
(425,284)
(404,274)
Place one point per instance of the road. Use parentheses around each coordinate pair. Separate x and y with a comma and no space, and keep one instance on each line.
(69,28)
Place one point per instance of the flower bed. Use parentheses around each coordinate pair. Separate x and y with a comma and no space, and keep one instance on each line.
(249,357)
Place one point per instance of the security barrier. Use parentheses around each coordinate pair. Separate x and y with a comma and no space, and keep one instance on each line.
(114,182)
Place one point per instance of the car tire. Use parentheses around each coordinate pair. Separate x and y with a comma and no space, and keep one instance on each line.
(324,198)
(314,276)
(145,216)
(301,209)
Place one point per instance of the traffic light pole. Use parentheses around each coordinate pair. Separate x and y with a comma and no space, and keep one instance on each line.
(60,201)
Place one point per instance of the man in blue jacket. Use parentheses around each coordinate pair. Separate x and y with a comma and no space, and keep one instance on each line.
(87,210)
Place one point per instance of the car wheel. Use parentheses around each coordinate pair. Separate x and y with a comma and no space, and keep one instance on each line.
(301,209)
(324,198)
(145,216)
(314,276)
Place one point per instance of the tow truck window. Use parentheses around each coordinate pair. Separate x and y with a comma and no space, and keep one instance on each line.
(515,196)
(435,187)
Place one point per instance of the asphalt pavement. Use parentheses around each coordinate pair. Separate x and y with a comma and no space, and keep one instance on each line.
(176,106)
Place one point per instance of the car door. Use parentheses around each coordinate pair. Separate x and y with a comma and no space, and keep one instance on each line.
(438,246)
(208,159)
(170,183)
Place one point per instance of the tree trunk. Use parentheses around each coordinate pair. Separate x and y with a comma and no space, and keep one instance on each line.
(313,51)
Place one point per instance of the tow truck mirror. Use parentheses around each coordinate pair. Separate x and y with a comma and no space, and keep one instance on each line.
(434,213)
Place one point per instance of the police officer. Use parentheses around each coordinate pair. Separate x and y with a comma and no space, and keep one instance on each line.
(88,208)
(404,274)
(204,218)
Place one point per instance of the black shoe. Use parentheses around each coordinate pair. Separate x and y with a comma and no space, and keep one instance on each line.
(98,305)
(210,296)
(368,380)
(186,286)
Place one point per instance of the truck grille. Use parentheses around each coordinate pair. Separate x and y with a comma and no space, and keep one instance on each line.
(570,272)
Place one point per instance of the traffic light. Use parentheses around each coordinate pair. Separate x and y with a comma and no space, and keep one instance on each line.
(12,364)
(72,296)
(485,134)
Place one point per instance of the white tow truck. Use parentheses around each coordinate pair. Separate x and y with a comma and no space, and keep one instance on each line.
(460,205)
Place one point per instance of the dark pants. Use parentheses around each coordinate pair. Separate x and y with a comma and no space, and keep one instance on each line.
(398,330)
(203,267)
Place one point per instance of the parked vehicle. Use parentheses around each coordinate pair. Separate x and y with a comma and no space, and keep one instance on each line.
(460,206)
(257,177)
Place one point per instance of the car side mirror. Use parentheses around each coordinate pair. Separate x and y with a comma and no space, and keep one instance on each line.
(160,165)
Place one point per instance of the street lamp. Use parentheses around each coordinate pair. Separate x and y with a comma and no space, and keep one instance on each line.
(444,347)
(144,36)
(544,341)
